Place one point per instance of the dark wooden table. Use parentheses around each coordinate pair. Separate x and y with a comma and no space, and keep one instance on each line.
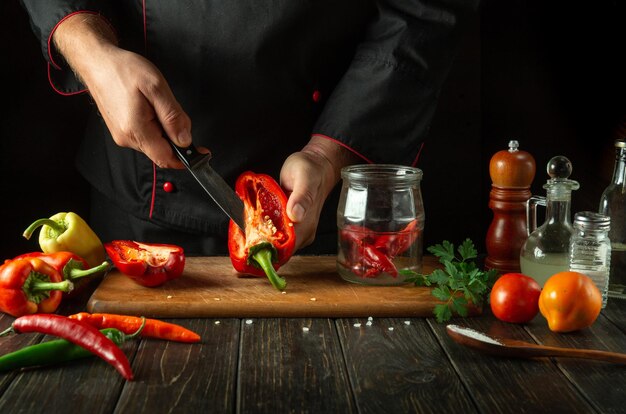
(319,365)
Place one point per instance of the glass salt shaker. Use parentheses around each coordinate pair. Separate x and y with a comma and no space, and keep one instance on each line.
(380,220)
(590,249)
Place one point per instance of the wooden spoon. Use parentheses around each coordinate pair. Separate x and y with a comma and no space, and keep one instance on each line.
(522,349)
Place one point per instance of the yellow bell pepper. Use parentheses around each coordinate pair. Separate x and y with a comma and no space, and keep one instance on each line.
(68,232)
(570,301)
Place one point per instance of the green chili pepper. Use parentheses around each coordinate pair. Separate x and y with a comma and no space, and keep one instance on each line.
(57,351)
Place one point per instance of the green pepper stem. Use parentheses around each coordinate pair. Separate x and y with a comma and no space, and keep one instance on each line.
(76,273)
(7,331)
(264,258)
(56,227)
(136,333)
(39,286)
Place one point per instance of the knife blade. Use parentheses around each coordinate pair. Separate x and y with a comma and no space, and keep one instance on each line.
(215,186)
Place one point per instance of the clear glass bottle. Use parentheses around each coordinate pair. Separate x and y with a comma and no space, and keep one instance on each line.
(546,251)
(590,249)
(613,204)
(380,220)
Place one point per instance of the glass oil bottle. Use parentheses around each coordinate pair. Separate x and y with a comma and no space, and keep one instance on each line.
(613,205)
(546,251)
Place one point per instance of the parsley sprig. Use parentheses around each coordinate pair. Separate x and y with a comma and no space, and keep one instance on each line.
(458,283)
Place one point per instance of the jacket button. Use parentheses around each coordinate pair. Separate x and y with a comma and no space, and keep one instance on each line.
(168,187)
(317,95)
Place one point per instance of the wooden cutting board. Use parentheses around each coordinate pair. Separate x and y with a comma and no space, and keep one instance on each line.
(209,287)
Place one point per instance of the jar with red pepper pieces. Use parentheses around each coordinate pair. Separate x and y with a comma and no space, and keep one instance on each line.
(380,220)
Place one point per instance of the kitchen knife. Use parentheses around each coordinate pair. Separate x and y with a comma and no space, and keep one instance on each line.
(213,184)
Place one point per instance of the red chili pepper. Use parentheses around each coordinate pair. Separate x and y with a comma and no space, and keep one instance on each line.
(148,264)
(129,324)
(30,285)
(77,332)
(73,267)
(269,239)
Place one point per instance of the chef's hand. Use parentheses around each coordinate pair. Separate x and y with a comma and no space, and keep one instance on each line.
(132,96)
(308,176)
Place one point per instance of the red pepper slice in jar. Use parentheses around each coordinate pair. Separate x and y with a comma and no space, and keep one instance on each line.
(368,253)
(269,238)
(148,264)
(397,243)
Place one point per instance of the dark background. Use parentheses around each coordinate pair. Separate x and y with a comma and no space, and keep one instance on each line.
(545,73)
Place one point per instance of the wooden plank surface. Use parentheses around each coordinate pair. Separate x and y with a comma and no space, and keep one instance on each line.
(502,384)
(209,287)
(178,377)
(397,366)
(292,366)
(603,384)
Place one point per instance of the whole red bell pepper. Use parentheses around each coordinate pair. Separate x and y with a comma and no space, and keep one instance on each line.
(30,285)
(148,264)
(269,238)
(73,267)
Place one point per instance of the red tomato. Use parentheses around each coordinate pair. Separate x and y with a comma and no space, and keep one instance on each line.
(515,298)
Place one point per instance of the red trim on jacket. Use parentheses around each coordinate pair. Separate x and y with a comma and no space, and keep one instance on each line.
(417,157)
(50,57)
(54,64)
(145,51)
(60,92)
(345,146)
(413,164)
(154,179)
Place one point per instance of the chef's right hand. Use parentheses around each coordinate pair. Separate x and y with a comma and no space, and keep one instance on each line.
(132,95)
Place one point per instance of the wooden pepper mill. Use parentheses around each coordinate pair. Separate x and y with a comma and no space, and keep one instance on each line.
(512,172)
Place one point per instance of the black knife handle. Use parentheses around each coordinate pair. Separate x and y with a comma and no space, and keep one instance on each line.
(188,155)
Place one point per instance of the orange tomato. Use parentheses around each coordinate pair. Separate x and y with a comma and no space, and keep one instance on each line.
(570,301)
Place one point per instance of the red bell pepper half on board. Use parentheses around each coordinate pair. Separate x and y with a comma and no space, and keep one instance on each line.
(269,238)
(148,264)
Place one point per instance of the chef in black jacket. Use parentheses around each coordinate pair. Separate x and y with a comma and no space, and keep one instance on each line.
(295,89)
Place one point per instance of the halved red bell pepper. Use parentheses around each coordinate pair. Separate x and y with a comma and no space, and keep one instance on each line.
(269,238)
(148,264)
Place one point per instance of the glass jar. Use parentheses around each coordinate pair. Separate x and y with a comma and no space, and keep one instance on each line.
(590,249)
(380,220)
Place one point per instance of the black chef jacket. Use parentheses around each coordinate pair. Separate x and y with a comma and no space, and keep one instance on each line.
(258,78)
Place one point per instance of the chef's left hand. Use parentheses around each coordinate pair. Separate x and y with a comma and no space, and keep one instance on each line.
(308,176)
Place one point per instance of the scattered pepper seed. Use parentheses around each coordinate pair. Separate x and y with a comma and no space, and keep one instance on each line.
(217,322)
(369,323)
(217,299)
(390,328)
(248,321)
(369,318)
(357,325)
(169,296)
(407,322)
(284,292)
(313,299)
(305,329)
